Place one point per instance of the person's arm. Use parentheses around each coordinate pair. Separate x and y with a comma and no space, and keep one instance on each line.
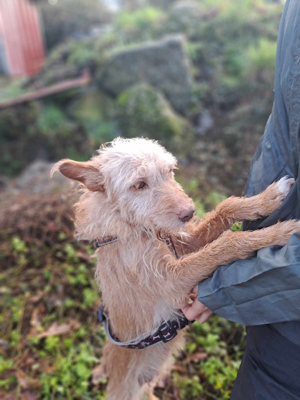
(261,290)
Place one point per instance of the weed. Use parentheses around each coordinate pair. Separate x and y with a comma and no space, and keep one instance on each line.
(56,289)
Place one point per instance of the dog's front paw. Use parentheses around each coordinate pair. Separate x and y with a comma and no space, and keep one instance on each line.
(276,193)
(284,230)
(284,186)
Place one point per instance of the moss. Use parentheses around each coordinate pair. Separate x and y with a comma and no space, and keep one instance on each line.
(261,57)
(11,89)
(143,111)
(185,17)
(96,113)
(141,24)
(16,139)
(35,130)
(50,120)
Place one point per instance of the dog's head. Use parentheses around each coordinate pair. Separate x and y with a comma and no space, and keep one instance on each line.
(134,178)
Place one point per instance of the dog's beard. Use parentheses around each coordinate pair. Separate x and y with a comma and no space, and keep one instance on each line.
(175,229)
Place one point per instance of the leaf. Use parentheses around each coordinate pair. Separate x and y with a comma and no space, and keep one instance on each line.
(22,380)
(178,368)
(35,320)
(7,396)
(83,256)
(4,344)
(26,382)
(50,369)
(82,371)
(29,396)
(196,357)
(63,329)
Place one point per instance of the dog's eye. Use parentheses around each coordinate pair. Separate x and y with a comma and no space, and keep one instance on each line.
(141,185)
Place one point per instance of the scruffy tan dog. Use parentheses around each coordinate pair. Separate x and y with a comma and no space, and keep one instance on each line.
(130,202)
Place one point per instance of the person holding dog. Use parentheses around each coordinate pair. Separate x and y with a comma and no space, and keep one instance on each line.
(263,292)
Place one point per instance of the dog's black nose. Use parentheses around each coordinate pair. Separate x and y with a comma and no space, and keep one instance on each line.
(186,215)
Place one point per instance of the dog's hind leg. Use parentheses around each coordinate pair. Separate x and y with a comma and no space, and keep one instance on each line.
(174,347)
(236,209)
(130,372)
(134,373)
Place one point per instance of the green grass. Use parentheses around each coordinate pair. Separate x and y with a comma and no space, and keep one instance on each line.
(9,89)
(51,340)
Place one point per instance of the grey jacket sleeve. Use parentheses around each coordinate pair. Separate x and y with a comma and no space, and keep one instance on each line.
(266,289)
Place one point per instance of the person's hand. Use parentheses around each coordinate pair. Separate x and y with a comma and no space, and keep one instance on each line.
(196,310)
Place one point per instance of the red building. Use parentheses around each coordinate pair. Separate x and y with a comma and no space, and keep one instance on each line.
(21,42)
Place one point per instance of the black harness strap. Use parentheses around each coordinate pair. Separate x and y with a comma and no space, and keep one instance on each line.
(166,332)
(106,240)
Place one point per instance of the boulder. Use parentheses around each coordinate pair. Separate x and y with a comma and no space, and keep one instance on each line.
(36,179)
(143,111)
(163,65)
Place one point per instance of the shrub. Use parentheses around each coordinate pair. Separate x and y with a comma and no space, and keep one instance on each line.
(143,111)
(141,24)
(261,59)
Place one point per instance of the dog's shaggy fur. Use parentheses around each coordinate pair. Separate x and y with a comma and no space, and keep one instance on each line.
(130,192)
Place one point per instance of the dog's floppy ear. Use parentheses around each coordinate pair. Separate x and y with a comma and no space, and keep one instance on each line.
(84,172)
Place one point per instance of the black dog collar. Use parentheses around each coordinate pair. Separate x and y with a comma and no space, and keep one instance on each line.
(166,332)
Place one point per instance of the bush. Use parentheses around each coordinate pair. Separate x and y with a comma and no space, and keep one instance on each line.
(231,55)
(96,113)
(139,25)
(143,111)
(261,59)
(39,130)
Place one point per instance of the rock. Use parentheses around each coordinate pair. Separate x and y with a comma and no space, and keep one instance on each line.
(36,179)
(163,65)
(143,111)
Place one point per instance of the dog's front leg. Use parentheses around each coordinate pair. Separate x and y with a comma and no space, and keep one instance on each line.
(231,246)
(236,209)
